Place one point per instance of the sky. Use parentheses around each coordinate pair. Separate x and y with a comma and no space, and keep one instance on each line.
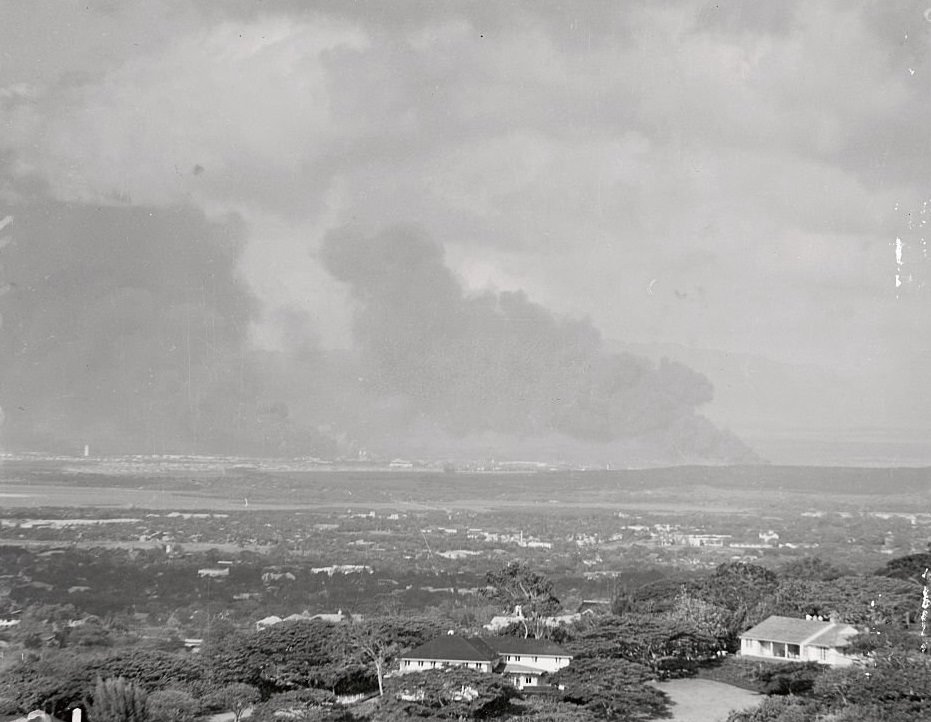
(468,229)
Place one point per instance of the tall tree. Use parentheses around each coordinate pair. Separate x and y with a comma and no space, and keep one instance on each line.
(517,585)
(171,705)
(379,641)
(118,700)
(235,698)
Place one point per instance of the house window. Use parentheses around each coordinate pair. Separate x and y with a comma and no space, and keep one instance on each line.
(534,659)
(419,663)
(794,651)
(528,680)
(822,653)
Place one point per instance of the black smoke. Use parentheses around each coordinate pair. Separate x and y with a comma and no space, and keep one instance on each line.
(127,329)
(473,364)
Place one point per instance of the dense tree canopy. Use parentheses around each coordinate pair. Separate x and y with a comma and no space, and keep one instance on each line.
(450,693)
(612,689)
(289,656)
(909,567)
(516,584)
(659,642)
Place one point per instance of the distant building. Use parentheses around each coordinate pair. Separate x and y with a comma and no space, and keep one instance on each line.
(337,617)
(329,618)
(277,576)
(267,622)
(802,640)
(502,621)
(594,605)
(769,537)
(343,569)
(214,572)
(702,540)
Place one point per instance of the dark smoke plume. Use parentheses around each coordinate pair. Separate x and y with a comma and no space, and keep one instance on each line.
(126,328)
(496,362)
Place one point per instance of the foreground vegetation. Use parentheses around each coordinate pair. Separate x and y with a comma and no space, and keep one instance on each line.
(309,670)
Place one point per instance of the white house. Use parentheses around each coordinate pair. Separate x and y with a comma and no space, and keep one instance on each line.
(525,660)
(522,661)
(802,640)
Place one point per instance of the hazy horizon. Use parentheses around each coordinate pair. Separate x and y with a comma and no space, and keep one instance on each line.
(631,233)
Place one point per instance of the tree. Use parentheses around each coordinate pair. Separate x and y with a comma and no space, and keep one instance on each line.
(92,633)
(611,689)
(707,619)
(172,705)
(45,625)
(659,642)
(545,709)
(790,677)
(118,700)
(866,600)
(896,687)
(909,567)
(379,641)
(777,709)
(289,656)
(150,668)
(811,568)
(300,704)
(235,698)
(517,585)
(449,693)
(884,640)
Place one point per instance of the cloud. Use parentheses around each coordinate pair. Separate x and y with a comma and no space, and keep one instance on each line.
(232,116)
(706,174)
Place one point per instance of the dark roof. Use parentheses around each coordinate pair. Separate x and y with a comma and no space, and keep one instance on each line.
(518,645)
(454,648)
(797,631)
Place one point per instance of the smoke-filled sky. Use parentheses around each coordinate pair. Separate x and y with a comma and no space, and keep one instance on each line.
(471,229)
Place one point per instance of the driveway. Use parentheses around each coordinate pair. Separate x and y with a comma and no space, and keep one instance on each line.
(702,700)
